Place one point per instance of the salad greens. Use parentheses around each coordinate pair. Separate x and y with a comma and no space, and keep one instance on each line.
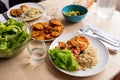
(63,59)
(72,13)
(11,35)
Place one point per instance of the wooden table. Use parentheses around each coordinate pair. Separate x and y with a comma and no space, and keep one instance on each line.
(20,68)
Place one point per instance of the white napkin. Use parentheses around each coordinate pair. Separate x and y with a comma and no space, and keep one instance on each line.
(111,48)
(111,42)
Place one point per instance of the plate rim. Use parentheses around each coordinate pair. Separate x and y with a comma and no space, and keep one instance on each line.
(68,72)
(42,7)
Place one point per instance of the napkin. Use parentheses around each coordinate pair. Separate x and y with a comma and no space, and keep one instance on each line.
(111,42)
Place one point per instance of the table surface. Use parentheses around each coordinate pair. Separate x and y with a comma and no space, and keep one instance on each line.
(20,67)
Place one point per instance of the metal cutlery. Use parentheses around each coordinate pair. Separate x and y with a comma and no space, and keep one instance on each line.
(103,36)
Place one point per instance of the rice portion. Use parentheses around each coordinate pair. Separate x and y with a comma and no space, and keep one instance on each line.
(88,58)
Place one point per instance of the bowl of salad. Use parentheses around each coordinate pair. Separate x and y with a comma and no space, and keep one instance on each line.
(14,35)
(74,13)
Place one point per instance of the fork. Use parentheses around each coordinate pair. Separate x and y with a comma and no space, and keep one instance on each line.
(23,16)
(105,37)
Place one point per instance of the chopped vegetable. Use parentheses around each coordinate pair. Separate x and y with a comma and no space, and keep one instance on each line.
(72,13)
(63,59)
(11,35)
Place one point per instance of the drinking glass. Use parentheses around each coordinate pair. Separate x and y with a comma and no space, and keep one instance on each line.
(105,8)
(52,12)
(37,50)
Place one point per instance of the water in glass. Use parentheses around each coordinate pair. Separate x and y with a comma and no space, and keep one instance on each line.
(37,50)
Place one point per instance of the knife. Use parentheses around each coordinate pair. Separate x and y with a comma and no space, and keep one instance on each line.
(101,35)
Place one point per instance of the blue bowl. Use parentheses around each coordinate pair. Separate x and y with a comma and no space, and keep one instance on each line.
(83,11)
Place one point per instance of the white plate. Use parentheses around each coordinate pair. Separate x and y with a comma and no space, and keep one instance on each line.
(103,56)
(35,5)
(46,20)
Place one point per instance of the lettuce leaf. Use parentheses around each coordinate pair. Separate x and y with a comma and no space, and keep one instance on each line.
(64,59)
(11,35)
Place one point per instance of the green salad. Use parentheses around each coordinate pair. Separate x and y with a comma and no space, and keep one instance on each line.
(72,13)
(63,59)
(11,35)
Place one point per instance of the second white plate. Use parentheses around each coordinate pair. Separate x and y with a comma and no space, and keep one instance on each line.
(35,5)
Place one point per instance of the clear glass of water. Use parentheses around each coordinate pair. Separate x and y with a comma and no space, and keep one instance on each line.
(105,8)
(37,50)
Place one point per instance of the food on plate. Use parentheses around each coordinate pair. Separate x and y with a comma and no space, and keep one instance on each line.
(25,12)
(88,58)
(12,36)
(16,12)
(55,22)
(37,26)
(55,33)
(47,30)
(79,47)
(24,7)
(72,13)
(78,42)
(63,59)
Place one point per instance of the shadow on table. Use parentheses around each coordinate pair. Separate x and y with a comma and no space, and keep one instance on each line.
(67,23)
